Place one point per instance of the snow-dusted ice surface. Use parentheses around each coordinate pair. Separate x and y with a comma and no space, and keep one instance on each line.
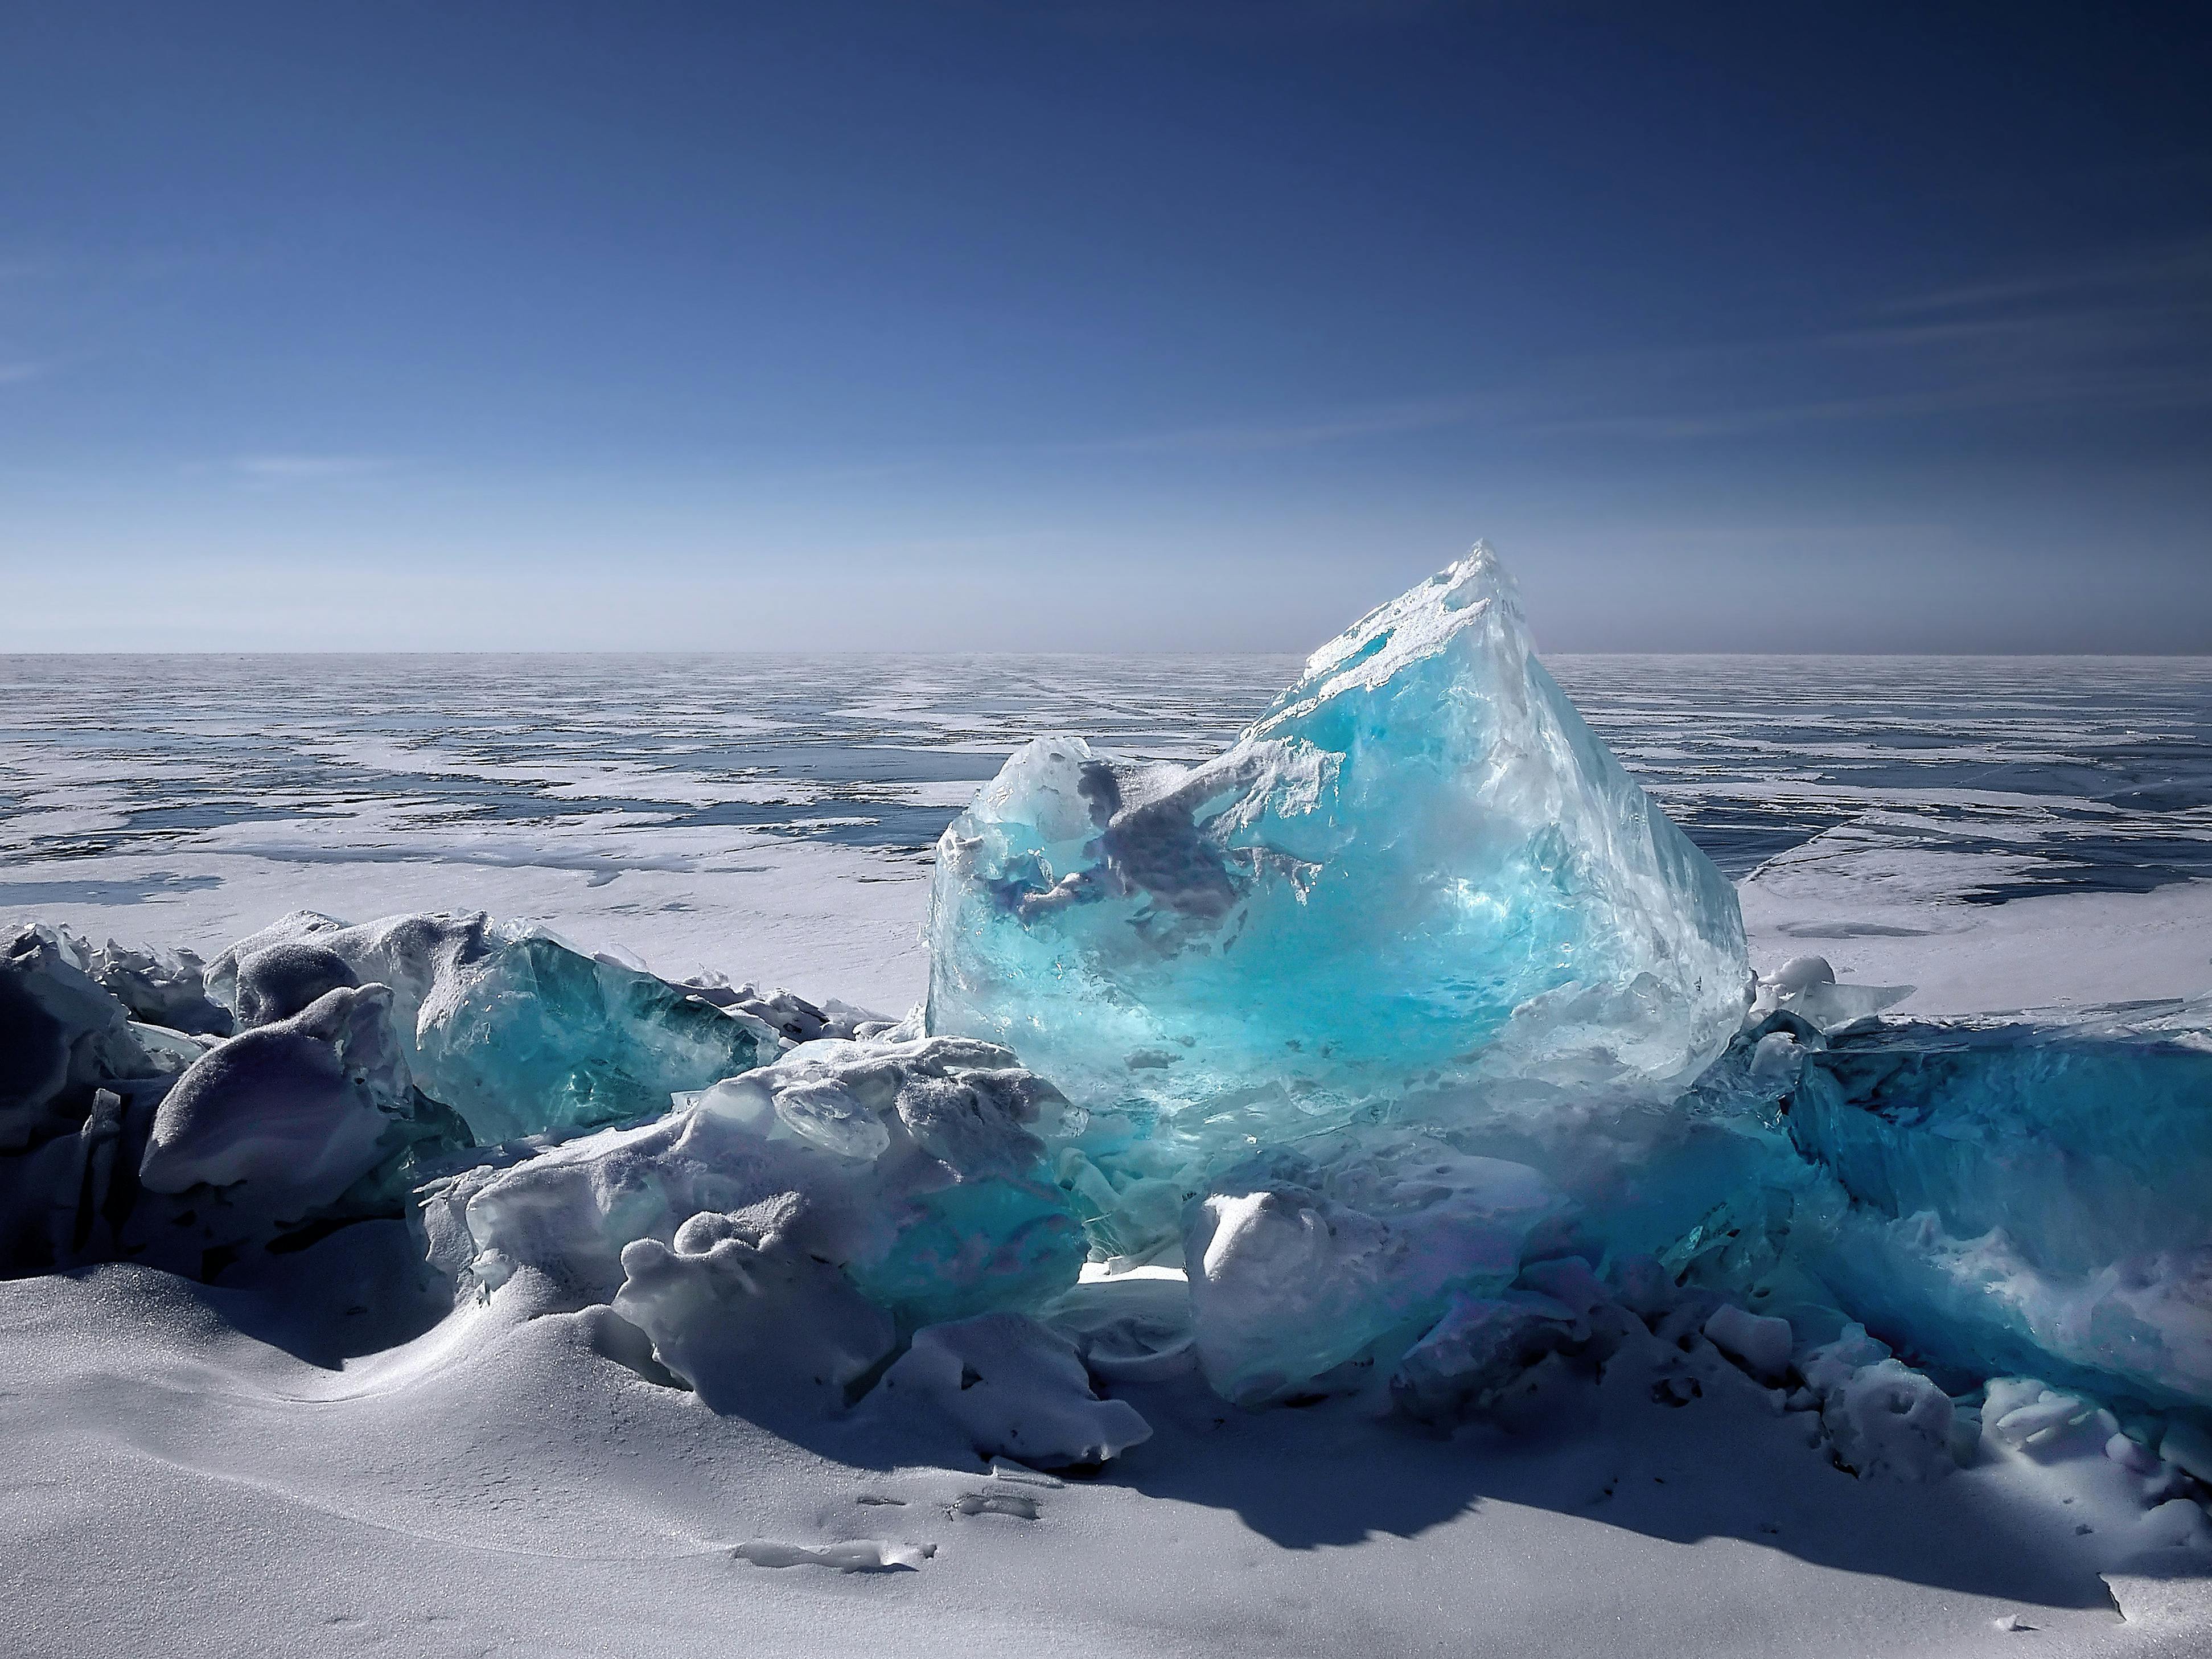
(450,1282)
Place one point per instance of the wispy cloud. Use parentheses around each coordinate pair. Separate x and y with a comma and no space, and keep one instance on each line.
(2124,336)
(1239,22)
(2076,387)
(17,373)
(2120,335)
(1348,426)
(2181,270)
(295,466)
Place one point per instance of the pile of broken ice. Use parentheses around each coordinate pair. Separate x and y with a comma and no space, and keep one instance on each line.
(1408,1031)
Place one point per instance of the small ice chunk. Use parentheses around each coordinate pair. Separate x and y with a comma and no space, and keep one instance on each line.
(1480,1346)
(1012,1388)
(1284,1285)
(1775,1060)
(1568,1281)
(2178,1524)
(2130,1454)
(297,1109)
(1761,1345)
(1830,1365)
(1004,1469)
(1889,1420)
(2052,1410)
(1642,1285)
(172,1051)
(1801,974)
(1806,986)
(741,1308)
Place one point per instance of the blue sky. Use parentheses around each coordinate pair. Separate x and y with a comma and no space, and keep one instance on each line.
(1101,326)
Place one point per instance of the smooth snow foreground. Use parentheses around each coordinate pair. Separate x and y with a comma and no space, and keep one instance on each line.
(501,1485)
(1417,1230)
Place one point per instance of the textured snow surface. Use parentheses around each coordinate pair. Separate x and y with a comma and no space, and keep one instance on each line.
(188,1473)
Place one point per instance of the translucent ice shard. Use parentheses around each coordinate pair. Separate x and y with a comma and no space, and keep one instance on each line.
(1418,865)
(536,1036)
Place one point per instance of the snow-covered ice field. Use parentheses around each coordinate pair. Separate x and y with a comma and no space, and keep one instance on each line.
(1999,831)
(186,1473)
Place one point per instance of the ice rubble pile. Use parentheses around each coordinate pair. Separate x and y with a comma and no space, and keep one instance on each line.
(910,1168)
(1416,937)
(1408,1039)
(516,1031)
(319,1070)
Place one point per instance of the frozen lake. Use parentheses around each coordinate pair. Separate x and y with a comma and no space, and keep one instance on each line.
(772,816)
(2000,833)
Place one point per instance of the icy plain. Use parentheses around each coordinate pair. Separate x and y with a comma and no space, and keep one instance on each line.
(592,1455)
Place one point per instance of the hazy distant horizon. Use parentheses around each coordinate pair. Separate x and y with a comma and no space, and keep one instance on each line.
(807,654)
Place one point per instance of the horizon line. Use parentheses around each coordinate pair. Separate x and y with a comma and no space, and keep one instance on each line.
(800,653)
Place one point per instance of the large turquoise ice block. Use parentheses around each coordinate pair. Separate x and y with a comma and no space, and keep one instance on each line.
(1419,866)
